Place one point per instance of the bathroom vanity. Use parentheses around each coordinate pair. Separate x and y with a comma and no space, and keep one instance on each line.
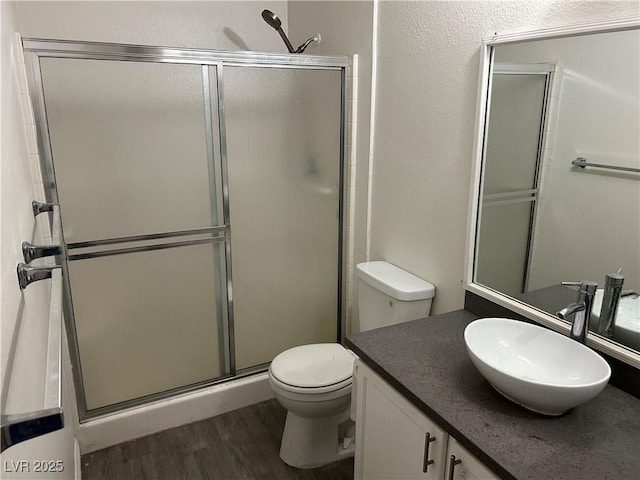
(402,442)
(420,403)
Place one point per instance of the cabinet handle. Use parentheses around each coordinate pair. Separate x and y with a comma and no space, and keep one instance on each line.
(425,461)
(452,465)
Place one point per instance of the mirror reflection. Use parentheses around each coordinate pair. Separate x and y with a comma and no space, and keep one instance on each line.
(546,218)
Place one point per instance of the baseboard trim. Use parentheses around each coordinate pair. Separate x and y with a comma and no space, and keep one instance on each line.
(180,410)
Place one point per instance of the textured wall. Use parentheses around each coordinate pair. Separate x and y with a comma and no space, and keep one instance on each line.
(425,113)
(224,25)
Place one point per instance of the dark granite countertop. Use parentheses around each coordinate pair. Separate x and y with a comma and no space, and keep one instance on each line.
(426,361)
(550,299)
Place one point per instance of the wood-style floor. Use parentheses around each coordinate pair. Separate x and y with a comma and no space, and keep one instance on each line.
(242,444)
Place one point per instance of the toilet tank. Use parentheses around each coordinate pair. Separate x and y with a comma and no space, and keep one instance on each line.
(388,295)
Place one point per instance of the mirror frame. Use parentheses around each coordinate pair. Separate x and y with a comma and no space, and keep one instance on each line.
(597,342)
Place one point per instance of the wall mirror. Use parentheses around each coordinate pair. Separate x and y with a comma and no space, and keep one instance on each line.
(556,192)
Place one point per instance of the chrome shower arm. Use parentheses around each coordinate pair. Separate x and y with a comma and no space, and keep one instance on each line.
(304,46)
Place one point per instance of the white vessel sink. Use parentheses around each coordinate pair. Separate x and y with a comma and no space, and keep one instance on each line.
(626,329)
(535,367)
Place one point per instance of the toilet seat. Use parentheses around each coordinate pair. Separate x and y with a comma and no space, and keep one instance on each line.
(313,369)
(308,395)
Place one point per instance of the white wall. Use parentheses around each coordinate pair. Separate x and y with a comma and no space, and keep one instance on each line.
(427,80)
(24,315)
(588,223)
(224,25)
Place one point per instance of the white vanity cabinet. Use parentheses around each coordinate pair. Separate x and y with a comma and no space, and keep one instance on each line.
(394,440)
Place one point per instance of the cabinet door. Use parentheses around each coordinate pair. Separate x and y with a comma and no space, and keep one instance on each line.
(394,440)
(461,465)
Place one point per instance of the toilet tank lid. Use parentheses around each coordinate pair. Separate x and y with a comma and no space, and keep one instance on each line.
(394,281)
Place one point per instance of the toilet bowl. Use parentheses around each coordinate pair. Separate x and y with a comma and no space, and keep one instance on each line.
(314,382)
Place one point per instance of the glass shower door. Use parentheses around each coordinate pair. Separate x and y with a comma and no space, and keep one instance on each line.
(283,136)
(136,179)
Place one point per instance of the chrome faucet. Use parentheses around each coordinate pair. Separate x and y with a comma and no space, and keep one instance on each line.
(581,309)
(610,299)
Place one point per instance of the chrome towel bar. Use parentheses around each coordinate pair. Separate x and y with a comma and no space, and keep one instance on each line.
(18,427)
(582,163)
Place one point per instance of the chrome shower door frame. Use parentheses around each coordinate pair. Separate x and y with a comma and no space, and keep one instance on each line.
(212,62)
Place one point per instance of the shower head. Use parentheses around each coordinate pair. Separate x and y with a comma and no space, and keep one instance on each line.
(273,20)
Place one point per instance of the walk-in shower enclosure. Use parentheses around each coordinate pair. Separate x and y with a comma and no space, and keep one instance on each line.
(201,202)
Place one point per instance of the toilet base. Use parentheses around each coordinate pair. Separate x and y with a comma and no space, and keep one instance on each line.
(313,442)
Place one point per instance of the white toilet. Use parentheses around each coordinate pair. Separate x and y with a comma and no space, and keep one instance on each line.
(313,382)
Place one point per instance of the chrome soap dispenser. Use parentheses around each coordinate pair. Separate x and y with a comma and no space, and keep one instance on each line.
(610,300)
